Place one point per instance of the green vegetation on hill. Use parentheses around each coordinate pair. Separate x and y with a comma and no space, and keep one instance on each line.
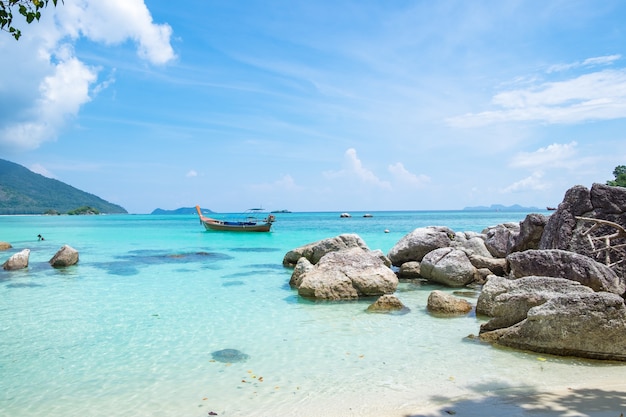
(25,192)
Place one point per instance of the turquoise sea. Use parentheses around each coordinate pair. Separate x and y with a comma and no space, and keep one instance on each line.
(130,330)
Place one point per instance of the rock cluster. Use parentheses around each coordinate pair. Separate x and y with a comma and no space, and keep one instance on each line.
(66,256)
(349,272)
(549,284)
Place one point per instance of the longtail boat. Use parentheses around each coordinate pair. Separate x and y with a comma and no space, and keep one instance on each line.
(249,222)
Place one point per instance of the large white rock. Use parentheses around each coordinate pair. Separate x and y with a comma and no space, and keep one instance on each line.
(347,274)
(17,261)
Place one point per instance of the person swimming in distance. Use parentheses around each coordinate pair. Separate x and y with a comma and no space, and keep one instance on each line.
(39,237)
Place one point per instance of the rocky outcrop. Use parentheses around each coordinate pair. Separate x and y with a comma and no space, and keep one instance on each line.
(589,325)
(569,265)
(17,261)
(448,266)
(530,232)
(415,245)
(5,246)
(65,256)
(410,270)
(564,231)
(443,303)
(507,301)
(346,274)
(387,303)
(316,250)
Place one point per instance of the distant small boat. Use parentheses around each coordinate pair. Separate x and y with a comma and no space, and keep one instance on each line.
(249,222)
(551,208)
(367,215)
(345,215)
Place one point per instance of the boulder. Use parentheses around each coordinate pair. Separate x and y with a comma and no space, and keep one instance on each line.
(409,270)
(314,251)
(65,256)
(387,303)
(448,266)
(5,245)
(415,245)
(348,274)
(481,276)
(499,239)
(530,232)
(508,301)
(564,264)
(497,266)
(590,325)
(300,269)
(471,243)
(444,303)
(17,261)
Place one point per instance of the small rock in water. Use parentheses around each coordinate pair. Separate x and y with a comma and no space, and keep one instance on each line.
(229,355)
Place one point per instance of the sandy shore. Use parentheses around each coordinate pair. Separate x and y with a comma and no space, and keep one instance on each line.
(609,400)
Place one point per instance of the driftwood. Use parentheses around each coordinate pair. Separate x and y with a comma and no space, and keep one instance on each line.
(604,243)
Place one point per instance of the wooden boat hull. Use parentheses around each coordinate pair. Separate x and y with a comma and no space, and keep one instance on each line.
(227,226)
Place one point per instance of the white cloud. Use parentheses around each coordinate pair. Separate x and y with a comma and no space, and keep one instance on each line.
(354,169)
(552,156)
(62,93)
(532,183)
(191,174)
(589,62)
(49,83)
(595,96)
(114,21)
(403,175)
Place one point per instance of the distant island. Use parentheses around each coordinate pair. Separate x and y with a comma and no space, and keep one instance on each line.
(182,210)
(500,207)
(23,191)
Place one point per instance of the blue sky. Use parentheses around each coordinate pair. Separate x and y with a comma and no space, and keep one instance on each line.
(319,105)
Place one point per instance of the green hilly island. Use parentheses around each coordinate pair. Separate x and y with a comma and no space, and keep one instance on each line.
(25,192)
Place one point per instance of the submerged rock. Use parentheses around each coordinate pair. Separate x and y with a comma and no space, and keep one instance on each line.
(386,304)
(443,303)
(229,356)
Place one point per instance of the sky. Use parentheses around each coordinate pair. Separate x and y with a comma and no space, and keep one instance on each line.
(322,105)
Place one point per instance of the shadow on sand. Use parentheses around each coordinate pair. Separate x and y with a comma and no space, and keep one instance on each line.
(574,402)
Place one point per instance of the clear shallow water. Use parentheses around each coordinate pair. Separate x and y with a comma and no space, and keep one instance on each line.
(130,330)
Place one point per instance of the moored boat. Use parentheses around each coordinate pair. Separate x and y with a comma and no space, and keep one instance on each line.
(249,222)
